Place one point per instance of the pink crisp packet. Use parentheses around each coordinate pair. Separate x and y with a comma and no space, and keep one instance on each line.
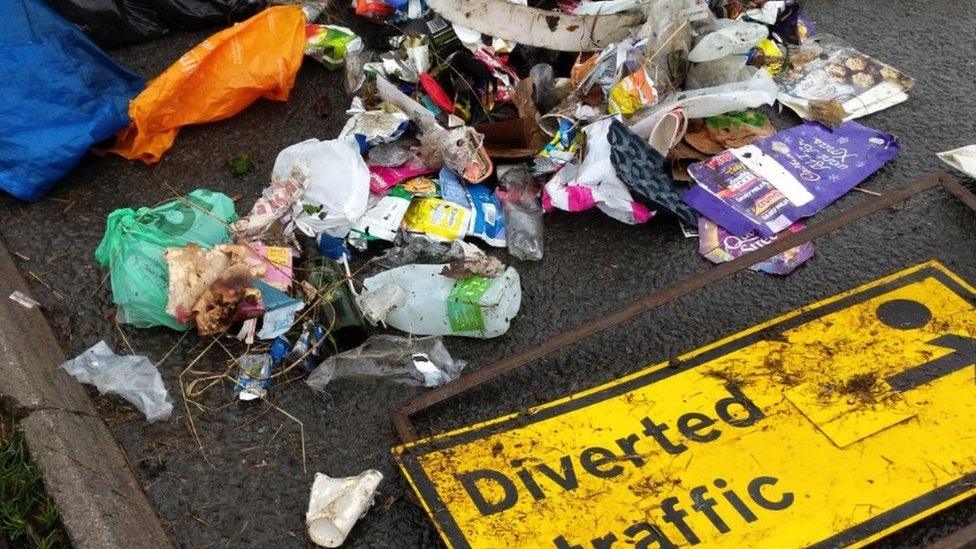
(382,179)
(277,262)
(718,246)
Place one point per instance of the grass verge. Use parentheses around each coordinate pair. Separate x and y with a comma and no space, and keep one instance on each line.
(28,517)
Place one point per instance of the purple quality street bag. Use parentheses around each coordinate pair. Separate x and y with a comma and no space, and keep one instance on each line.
(769,185)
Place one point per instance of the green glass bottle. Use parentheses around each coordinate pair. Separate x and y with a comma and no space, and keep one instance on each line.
(337,311)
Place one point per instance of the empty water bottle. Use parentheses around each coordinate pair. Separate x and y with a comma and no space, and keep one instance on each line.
(523,215)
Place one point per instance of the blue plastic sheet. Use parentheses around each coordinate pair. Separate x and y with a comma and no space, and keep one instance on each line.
(61,95)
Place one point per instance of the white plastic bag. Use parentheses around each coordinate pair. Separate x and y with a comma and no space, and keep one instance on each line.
(594,183)
(131,377)
(761,89)
(730,38)
(338,181)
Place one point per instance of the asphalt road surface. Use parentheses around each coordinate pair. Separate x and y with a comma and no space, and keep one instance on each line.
(254,490)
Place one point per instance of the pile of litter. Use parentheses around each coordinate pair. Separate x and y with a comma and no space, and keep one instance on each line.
(464,129)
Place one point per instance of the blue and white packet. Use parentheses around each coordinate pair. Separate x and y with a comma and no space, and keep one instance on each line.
(487,218)
(452,189)
(281,309)
(488,221)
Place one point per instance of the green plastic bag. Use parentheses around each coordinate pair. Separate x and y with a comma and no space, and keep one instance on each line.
(135,241)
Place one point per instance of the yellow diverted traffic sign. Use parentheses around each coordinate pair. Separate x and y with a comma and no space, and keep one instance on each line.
(829,426)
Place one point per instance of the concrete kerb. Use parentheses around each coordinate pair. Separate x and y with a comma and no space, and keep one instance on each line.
(84,469)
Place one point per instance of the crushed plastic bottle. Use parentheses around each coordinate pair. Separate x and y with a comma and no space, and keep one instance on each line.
(433,304)
(418,361)
(523,215)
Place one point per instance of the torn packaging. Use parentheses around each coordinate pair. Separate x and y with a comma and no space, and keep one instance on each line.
(280,310)
(536,27)
(962,159)
(595,182)
(276,202)
(460,148)
(825,68)
(718,246)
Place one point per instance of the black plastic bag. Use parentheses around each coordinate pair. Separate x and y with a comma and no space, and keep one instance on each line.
(113,23)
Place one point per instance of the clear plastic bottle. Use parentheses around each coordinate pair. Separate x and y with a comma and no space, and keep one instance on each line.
(523,215)
(432,304)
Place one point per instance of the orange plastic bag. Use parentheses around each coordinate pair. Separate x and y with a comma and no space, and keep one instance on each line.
(216,80)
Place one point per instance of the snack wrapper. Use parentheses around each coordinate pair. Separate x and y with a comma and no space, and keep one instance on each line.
(718,246)
(439,219)
(632,93)
(328,44)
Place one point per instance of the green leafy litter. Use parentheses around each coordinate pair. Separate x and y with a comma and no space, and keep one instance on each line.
(28,517)
(240,164)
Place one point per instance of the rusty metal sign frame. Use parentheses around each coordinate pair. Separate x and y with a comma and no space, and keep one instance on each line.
(406,430)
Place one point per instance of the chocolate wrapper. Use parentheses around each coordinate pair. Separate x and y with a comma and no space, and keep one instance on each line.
(718,246)
(769,185)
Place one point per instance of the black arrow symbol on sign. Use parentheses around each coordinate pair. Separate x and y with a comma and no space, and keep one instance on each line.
(964,354)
